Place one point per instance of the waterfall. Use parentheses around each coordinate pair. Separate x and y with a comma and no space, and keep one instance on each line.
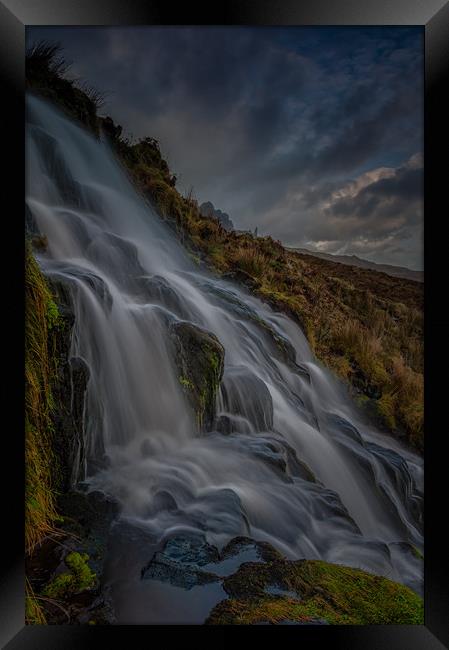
(298,468)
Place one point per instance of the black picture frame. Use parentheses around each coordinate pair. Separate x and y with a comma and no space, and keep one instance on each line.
(433,15)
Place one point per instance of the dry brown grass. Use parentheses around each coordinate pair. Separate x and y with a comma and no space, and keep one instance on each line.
(40,318)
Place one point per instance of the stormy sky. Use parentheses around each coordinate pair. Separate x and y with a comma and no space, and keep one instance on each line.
(314,135)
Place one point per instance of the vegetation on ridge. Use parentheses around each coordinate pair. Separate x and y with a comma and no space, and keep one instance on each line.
(364,325)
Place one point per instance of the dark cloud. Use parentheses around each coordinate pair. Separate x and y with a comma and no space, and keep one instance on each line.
(387,204)
(268,122)
(378,215)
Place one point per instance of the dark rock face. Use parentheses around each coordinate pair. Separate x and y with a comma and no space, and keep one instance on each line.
(63,281)
(89,516)
(200,359)
(69,391)
(61,291)
(31,228)
(207,210)
(246,395)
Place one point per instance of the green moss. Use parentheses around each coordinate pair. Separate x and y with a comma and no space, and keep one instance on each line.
(52,314)
(340,595)
(79,578)
(214,362)
(186,383)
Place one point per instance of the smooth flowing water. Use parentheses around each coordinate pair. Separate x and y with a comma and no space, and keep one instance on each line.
(130,278)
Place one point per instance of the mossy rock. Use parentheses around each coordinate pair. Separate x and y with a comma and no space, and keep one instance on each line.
(79,578)
(308,590)
(200,359)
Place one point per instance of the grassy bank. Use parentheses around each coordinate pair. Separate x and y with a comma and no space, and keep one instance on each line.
(41,317)
(364,325)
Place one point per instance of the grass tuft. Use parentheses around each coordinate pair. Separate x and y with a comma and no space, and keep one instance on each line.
(41,316)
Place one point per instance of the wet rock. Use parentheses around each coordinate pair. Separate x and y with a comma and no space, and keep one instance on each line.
(342,426)
(62,295)
(271,452)
(75,224)
(200,359)
(224,425)
(89,516)
(100,611)
(56,165)
(69,385)
(297,467)
(162,501)
(117,254)
(263,550)
(282,456)
(244,394)
(64,281)
(188,561)
(31,227)
(157,290)
(180,563)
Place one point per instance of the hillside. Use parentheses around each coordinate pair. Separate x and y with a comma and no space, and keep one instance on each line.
(353,260)
(366,326)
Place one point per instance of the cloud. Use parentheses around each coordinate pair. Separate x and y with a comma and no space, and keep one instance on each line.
(270,123)
(378,215)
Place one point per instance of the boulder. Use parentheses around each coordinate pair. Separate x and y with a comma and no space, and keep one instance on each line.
(285,592)
(156,289)
(199,356)
(180,562)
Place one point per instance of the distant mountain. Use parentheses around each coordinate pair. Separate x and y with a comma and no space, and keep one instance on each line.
(353,260)
(207,210)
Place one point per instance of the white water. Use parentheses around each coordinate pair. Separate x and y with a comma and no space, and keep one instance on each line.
(142,444)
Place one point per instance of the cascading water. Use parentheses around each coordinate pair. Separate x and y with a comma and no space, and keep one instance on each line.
(289,420)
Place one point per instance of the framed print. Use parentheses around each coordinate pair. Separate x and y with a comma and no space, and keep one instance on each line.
(233,330)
